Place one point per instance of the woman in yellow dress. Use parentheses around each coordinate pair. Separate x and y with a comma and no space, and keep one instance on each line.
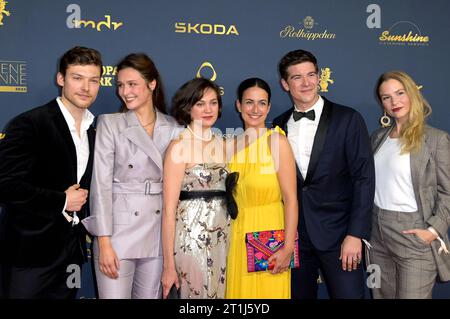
(266,196)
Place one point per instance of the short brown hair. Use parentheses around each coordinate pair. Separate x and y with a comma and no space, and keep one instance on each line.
(80,56)
(293,58)
(190,93)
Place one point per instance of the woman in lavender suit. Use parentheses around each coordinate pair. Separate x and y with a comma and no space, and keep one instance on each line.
(126,189)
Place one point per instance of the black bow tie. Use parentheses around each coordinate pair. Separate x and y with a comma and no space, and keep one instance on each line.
(311,115)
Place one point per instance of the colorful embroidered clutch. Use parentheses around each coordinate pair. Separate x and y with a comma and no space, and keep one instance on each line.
(263,244)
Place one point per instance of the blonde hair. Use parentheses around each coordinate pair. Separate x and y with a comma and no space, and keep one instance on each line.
(412,132)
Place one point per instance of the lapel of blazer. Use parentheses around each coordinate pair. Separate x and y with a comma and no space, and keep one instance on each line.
(138,136)
(64,132)
(85,181)
(380,138)
(418,161)
(283,119)
(91,139)
(319,139)
(282,123)
(162,132)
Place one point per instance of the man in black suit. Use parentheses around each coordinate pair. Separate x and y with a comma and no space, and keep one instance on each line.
(45,171)
(335,181)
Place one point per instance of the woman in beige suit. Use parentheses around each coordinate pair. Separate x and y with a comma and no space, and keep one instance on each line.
(126,189)
(412,197)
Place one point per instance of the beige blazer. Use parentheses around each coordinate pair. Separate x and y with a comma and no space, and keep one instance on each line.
(126,188)
(430,172)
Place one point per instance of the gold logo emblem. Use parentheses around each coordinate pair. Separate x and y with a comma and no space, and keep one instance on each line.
(3,11)
(207,64)
(308,22)
(325,79)
(213,77)
(205,28)
(13,76)
(404,33)
(2,136)
(108,75)
(305,31)
(98,25)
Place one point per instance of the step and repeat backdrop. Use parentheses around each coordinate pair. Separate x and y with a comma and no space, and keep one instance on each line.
(227,41)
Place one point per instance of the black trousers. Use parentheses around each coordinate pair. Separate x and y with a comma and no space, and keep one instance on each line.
(47,282)
(340,284)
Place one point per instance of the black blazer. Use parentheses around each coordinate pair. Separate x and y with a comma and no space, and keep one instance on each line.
(336,197)
(37,164)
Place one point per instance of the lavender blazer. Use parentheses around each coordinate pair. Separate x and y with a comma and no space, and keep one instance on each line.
(126,188)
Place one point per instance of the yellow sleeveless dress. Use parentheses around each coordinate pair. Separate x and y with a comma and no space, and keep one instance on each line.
(259,199)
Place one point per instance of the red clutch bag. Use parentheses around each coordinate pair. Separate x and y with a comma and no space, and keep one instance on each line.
(263,244)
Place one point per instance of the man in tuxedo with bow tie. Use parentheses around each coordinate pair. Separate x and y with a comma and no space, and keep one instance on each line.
(46,159)
(335,183)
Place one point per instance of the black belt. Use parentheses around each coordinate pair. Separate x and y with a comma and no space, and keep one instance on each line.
(230,184)
(185,195)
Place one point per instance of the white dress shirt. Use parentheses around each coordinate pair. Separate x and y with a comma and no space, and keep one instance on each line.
(301,135)
(81,142)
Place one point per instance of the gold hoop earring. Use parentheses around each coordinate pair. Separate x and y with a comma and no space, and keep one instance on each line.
(385,120)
